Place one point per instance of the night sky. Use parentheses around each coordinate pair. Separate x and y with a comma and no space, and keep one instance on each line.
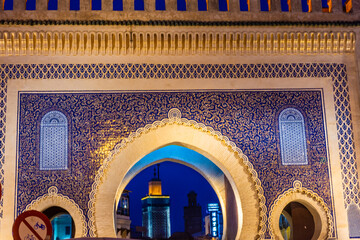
(177,181)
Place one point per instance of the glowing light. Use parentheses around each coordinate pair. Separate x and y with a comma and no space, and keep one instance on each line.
(213,209)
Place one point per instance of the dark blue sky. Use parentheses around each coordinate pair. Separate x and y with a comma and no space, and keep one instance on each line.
(177,181)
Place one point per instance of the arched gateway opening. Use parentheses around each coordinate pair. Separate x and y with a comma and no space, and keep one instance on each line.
(178,156)
(224,166)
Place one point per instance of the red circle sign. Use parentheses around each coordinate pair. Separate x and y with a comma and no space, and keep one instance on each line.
(32,225)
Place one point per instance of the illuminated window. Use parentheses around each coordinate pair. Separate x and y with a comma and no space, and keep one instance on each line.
(292,137)
(202,5)
(306,5)
(286,5)
(96,5)
(54,141)
(8,4)
(224,5)
(244,5)
(139,5)
(30,5)
(181,5)
(118,5)
(160,5)
(347,6)
(53,5)
(75,5)
(265,5)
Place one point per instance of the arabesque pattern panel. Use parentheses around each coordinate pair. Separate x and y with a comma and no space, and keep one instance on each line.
(208,115)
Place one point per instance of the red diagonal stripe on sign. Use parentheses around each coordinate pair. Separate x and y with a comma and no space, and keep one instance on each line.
(32,230)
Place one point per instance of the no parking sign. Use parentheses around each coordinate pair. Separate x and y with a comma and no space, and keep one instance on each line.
(32,225)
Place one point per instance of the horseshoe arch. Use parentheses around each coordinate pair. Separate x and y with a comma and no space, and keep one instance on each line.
(242,178)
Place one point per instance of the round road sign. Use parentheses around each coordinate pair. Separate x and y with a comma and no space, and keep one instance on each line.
(32,225)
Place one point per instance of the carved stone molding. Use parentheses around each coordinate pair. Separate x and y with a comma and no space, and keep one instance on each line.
(53,198)
(174,118)
(171,42)
(312,201)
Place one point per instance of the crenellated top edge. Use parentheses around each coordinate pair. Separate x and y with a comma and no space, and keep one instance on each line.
(191,14)
(172,23)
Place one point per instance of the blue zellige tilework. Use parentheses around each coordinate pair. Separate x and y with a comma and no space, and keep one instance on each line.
(248,118)
(183,71)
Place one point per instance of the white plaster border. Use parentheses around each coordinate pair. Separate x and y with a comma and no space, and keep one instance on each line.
(312,201)
(54,199)
(174,129)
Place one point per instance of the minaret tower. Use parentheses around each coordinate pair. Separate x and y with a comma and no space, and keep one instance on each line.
(156,209)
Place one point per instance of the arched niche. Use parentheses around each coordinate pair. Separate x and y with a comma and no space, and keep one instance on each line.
(54,199)
(312,202)
(242,178)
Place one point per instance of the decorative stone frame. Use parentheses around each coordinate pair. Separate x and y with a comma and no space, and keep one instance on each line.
(54,199)
(315,204)
(242,177)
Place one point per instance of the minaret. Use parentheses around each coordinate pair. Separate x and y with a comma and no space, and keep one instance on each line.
(156,210)
(192,215)
(155,183)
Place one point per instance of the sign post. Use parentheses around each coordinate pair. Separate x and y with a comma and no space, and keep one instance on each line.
(32,225)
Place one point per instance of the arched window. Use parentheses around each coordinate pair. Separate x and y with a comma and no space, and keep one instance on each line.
(54,141)
(292,137)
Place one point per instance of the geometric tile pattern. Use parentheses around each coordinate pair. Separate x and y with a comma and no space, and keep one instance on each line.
(101,119)
(53,141)
(206,71)
(292,137)
(3,100)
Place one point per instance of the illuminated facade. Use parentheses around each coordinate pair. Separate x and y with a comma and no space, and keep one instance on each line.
(156,211)
(266,92)
(123,216)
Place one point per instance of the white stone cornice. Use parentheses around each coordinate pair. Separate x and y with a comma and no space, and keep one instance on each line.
(172,42)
